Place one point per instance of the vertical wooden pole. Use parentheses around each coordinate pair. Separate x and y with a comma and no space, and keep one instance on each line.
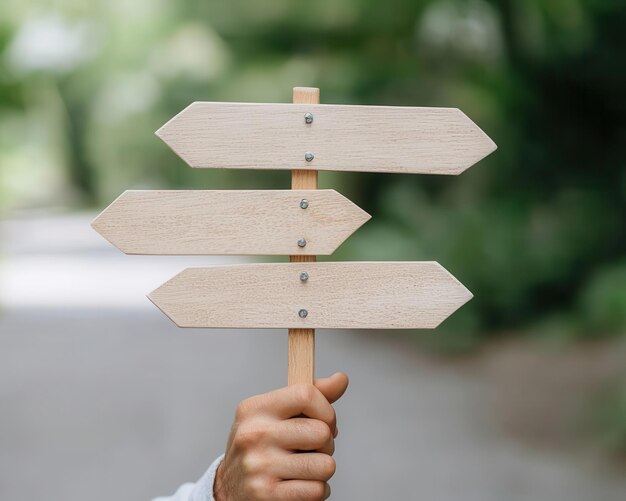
(302,341)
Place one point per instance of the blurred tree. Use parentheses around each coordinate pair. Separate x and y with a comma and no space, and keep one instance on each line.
(537,228)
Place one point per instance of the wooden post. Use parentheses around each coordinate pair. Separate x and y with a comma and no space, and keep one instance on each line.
(301,364)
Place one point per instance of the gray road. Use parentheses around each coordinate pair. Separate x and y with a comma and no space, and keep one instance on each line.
(102,398)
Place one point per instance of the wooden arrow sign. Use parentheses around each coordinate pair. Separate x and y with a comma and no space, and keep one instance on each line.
(297,222)
(359,295)
(329,137)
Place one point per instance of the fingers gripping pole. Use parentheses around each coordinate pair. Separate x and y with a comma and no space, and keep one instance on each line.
(301,364)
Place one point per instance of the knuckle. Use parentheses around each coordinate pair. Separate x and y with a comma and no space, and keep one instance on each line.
(258,488)
(326,491)
(328,467)
(305,392)
(319,466)
(316,492)
(253,464)
(244,409)
(331,448)
(317,431)
(248,437)
(320,431)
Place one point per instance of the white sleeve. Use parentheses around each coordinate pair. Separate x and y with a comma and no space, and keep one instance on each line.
(202,490)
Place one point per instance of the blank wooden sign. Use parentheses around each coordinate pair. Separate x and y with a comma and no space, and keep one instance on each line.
(303,295)
(326,137)
(350,295)
(240,222)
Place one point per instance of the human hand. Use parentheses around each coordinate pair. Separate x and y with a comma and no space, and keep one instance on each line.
(281,444)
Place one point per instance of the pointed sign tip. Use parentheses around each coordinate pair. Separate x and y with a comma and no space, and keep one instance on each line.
(96,225)
(169,134)
(163,135)
(490,146)
(485,146)
(102,224)
(463,294)
(363,215)
(153,297)
(464,297)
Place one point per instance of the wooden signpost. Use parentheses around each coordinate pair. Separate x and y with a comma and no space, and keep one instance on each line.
(303,222)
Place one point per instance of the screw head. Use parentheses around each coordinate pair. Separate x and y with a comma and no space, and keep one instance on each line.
(302,242)
(304,276)
(303,313)
(308,118)
(304,203)
(308,156)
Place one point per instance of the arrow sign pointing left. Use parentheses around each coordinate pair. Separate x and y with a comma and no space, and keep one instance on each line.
(269,222)
(342,295)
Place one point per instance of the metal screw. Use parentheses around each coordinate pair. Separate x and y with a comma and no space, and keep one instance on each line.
(304,276)
(303,313)
(304,203)
(308,156)
(308,118)
(302,242)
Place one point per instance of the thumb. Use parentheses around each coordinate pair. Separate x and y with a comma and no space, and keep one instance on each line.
(333,387)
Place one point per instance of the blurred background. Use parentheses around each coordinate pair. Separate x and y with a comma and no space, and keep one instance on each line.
(520,395)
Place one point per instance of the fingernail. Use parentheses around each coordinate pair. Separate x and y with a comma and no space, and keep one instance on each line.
(336,432)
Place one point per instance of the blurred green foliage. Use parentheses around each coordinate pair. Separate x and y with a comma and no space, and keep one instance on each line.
(536,230)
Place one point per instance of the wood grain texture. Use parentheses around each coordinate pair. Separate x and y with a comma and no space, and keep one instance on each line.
(342,138)
(229,222)
(301,342)
(343,295)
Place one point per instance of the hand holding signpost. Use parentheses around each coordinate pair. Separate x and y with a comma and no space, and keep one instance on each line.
(302,295)
(259,462)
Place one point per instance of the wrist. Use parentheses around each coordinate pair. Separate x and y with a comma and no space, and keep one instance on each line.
(218,484)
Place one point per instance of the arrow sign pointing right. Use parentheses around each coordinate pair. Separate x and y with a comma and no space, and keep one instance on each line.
(296,222)
(326,137)
(344,295)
